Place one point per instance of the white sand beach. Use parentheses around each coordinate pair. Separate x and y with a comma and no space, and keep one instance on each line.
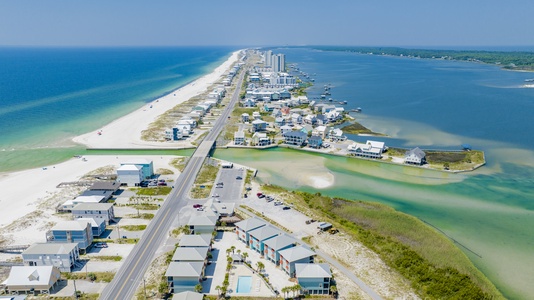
(125,132)
(29,197)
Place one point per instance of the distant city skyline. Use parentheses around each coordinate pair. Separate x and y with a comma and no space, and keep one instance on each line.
(419,23)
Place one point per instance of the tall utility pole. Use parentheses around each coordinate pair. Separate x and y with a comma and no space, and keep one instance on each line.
(144,286)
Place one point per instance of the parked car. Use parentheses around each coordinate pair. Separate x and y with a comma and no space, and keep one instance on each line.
(200,208)
(259,194)
(197,205)
(220,183)
(239,178)
(101,245)
(286,207)
(215,195)
(162,183)
(143,184)
(276,203)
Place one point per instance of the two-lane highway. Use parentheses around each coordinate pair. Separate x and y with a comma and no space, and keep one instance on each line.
(130,275)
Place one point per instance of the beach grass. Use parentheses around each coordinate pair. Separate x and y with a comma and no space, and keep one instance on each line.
(145,216)
(107,257)
(179,163)
(204,181)
(96,276)
(134,227)
(427,258)
(357,128)
(153,191)
(146,206)
(163,171)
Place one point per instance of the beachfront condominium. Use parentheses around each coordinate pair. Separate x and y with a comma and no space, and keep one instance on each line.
(278,63)
(268,58)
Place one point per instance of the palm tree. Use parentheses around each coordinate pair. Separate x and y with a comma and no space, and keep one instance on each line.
(245,256)
(218,289)
(228,251)
(238,251)
(260,266)
(233,249)
(198,288)
(296,289)
(285,290)
(333,290)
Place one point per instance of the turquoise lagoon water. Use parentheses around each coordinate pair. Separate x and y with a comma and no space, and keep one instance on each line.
(244,283)
(431,104)
(49,95)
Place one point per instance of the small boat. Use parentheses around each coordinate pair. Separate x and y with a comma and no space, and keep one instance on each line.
(323,96)
(345,102)
(529,80)
(358,110)
(330,99)
(327,93)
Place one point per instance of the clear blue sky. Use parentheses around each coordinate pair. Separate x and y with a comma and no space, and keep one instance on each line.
(267,22)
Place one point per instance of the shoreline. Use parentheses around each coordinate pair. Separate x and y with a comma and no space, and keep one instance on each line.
(125,132)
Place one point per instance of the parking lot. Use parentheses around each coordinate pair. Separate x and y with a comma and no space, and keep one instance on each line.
(228,186)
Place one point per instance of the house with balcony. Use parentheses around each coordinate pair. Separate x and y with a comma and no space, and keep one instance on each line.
(147,166)
(273,246)
(371,149)
(130,175)
(260,139)
(79,232)
(102,211)
(98,226)
(202,224)
(244,227)
(295,255)
(239,138)
(314,279)
(60,255)
(297,138)
(258,236)
(245,117)
(184,276)
(415,156)
(259,125)
(315,142)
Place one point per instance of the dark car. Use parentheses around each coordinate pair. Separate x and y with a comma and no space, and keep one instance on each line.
(239,178)
(162,183)
(286,207)
(143,184)
(197,205)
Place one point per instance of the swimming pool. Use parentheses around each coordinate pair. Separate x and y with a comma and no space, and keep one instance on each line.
(243,284)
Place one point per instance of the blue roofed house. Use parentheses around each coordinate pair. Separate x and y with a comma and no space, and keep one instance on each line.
(315,141)
(291,256)
(72,232)
(415,156)
(147,166)
(273,246)
(314,279)
(98,226)
(244,227)
(184,276)
(245,117)
(259,125)
(297,138)
(258,236)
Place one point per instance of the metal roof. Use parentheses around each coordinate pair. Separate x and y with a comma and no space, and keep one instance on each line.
(185,269)
(51,248)
(313,271)
(190,254)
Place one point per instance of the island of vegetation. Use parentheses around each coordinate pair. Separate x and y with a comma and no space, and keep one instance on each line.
(429,260)
(513,60)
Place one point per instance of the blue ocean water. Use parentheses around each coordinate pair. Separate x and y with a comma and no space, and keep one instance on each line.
(49,95)
(431,104)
